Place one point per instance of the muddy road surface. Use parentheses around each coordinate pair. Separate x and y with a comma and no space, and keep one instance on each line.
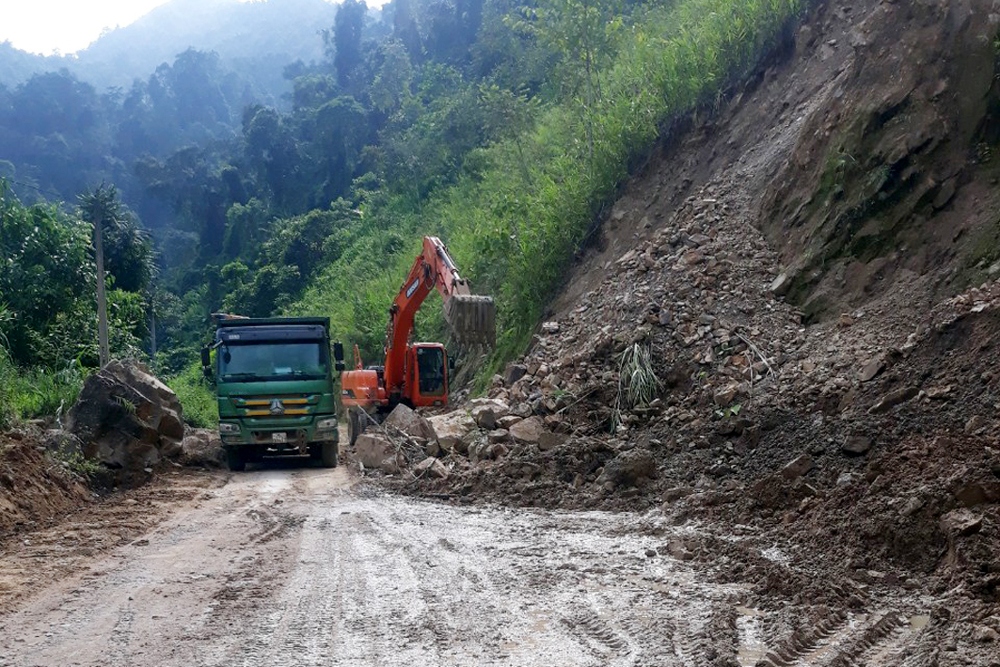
(294,566)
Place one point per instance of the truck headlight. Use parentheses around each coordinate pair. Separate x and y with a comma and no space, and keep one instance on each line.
(225,427)
(326,424)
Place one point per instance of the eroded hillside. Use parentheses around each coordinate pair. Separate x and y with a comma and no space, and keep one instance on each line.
(803,269)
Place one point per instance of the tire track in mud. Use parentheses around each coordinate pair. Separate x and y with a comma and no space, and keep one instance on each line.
(298,569)
(843,639)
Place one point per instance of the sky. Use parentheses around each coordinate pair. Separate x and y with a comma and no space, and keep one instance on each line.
(46,26)
(67,26)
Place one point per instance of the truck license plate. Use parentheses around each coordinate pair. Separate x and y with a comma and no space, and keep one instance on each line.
(279,437)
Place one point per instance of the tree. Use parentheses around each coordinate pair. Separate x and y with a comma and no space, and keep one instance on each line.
(347,28)
(405,30)
(584,34)
(46,271)
(103,210)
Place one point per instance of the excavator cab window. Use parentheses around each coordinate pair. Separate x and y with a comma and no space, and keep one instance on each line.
(431,371)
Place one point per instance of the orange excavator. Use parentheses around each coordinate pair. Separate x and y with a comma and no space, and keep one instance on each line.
(417,374)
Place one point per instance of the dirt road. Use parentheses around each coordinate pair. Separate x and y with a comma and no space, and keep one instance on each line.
(305,567)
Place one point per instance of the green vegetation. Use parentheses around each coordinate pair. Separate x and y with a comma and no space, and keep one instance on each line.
(196,397)
(523,206)
(48,316)
(505,128)
(35,392)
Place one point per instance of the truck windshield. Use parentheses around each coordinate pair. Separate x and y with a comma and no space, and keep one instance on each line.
(285,360)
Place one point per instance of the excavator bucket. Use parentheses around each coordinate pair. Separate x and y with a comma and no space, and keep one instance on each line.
(472,319)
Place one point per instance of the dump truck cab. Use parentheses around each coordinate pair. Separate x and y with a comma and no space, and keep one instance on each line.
(274,388)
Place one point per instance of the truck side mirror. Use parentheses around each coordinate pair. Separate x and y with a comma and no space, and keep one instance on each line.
(206,362)
(338,356)
(451,363)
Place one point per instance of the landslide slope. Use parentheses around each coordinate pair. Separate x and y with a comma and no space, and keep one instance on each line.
(805,269)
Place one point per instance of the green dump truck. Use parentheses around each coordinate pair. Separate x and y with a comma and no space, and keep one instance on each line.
(275,388)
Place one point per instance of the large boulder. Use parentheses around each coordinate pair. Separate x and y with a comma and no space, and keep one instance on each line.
(127,420)
(449,429)
(406,421)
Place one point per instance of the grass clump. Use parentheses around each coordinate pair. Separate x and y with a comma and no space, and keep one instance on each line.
(637,382)
(36,392)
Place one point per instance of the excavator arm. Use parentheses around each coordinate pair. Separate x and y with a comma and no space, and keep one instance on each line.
(471,318)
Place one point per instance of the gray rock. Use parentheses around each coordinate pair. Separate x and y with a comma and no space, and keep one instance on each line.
(487,411)
(498,435)
(373,450)
(857,445)
(449,429)
(431,467)
(407,421)
(63,442)
(893,398)
(629,468)
(724,397)
(202,447)
(870,370)
(514,372)
(961,522)
(528,431)
(797,467)
(781,285)
(975,424)
(127,420)
(433,448)
(508,421)
(498,450)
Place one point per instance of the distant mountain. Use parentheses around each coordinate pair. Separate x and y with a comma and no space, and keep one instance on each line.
(256,39)
(17,66)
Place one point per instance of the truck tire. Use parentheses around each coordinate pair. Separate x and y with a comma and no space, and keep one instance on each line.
(330,453)
(235,460)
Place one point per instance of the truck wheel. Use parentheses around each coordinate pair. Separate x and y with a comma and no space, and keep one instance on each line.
(330,454)
(235,460)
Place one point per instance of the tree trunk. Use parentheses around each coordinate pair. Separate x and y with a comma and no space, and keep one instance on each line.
(102,300)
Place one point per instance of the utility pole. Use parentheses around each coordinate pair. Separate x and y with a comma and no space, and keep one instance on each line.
(102,300)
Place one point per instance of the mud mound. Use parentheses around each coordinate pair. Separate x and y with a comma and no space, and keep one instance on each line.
(35,489)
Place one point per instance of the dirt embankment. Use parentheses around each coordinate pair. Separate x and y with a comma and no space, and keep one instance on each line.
(34,487)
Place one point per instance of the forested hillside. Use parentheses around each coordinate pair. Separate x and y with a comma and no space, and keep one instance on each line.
(255,39)
(504,128)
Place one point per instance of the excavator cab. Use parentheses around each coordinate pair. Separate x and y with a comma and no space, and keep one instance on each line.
(429,362)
